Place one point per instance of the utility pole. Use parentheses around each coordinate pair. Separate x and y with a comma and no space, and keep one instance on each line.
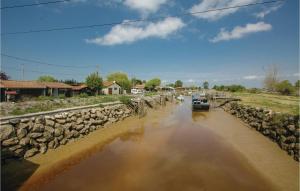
(98,67)
(97,76)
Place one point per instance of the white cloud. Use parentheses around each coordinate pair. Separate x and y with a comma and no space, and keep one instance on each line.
(216,4)
(145,6)
(251,77)
(239,32)
(296,74)
(267,11)
(190,80)
(122,33)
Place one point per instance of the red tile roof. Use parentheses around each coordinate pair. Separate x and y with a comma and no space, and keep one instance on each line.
(79,87)
(21,84)
(108,83)
(56,85)
(32,84)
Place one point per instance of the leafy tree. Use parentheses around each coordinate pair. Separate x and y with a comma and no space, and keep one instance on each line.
(178,83)
(235,88)
(121,78)
(70,82)
(205,85)
(297,83)
(171,85)
(4,76)
(231,88)
(151,84)
(285,87)
(47,78)
(135,81)
(94,82)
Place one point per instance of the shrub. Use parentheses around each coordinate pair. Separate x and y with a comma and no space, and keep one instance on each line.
(254,90)
(285,87)
(61,96)
(43,98)
(83,95)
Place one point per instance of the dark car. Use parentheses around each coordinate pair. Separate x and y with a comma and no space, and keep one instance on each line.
(200,102)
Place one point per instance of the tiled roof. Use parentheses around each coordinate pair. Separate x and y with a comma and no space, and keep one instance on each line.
(57,85)
(21,84)
(79,87)
(139,86)
(32,84)
(108,83)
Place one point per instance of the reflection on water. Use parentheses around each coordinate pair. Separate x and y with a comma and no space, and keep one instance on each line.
(135,135)
(164,154)
(199,115)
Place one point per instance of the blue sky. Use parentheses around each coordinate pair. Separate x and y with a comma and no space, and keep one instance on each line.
(224,47)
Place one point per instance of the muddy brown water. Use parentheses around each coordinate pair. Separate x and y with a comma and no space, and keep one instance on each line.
(175,151)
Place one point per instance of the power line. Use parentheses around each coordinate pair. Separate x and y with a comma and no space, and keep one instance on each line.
(44,63)
(34,4)
(137,20)
(39,72)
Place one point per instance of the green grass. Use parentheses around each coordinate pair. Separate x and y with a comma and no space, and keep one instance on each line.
(42,104)
(279,103)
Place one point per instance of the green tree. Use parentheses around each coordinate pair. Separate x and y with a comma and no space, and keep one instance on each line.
(151,84)
(205,85)
(4,76)
(47,78)
(121,78)
(297,84)
(285,87)
(70,82)
(171,85)
(178,83)
(135,81)
(94,82)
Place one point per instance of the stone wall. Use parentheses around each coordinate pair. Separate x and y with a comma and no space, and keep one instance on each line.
(25,137)
(280,128)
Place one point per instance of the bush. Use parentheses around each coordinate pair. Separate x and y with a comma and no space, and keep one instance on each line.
(43,98)
(125,100)
(254,90)
(61,96)
(83,95)
(285,87)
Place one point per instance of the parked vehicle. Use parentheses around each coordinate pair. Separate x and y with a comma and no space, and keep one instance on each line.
(180,98)
(200,102)
(137,91)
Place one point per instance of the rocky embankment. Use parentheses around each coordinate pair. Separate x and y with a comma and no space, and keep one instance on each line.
(280,128)
(27,136)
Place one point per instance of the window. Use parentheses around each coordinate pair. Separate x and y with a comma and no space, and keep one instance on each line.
(115,88)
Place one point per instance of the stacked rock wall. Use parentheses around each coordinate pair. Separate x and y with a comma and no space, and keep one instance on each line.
(25,137)
(281,128)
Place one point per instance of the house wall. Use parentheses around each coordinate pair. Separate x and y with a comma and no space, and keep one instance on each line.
(115,89)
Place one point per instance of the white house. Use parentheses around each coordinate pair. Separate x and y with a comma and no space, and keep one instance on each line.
(111,88)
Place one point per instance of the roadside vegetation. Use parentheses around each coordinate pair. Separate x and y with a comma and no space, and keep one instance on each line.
(277,95)
(278,103)
(44,103)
